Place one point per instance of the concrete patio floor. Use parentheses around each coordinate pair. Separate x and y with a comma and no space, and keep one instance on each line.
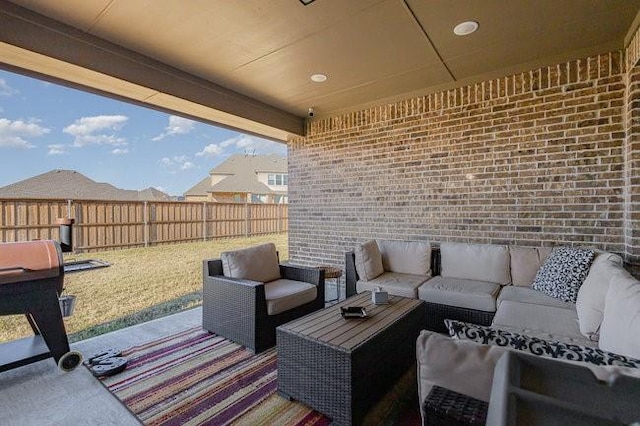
(41,394)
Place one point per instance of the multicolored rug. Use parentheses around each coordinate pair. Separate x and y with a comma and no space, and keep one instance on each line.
(197,378)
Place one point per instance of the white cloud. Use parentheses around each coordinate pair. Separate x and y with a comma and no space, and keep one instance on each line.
(120,151)
(254,145)
(177,126)
(177,162)
(14,134)
(57,149)
(5,89)
(210,150)
(98,130)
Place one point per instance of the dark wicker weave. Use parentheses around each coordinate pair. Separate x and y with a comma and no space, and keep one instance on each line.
(344,380)
(444,407)
(236,309)
(436,313)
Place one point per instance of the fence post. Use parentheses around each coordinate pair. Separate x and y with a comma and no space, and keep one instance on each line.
(246,220)
(145,214)
(204,221)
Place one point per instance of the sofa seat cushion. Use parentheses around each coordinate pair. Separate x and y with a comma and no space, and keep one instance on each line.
(283,295)
(551,322)
(563,272)
(529,295)
(259,263)
(368,260)
(480,262)
(470,294)
(405,285)
(406,257)
(620,331)
(537,346)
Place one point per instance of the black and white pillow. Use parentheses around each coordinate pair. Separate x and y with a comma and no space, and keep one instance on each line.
(563,272)
(536,346)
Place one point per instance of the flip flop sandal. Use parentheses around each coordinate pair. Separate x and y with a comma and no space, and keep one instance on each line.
(106,354)
(109,367)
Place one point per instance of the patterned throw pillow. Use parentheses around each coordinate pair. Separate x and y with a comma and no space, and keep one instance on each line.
(563,273)
(535,346)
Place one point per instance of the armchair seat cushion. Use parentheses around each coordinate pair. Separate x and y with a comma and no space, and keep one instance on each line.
(396,283)
(282,295)
(470,294)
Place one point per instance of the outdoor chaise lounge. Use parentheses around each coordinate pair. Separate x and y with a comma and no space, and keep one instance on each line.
(247,294)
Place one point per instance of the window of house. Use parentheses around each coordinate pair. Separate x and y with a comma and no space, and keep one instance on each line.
(277,179)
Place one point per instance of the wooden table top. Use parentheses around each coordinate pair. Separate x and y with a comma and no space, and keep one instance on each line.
(328,327)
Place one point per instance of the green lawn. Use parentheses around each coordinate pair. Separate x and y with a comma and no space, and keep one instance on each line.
(141,284)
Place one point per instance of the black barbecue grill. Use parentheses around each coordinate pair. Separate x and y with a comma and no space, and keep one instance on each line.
(31,280)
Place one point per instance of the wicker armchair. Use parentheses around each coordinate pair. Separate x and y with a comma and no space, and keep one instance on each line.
(237,309)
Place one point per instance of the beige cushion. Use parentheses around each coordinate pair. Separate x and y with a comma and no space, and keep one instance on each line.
(525,262)
(529,295)
(406,257)
(284,294)
(592,293)
(461,366)
(560,323)
(478,262)
(259,263)
(405,285)
(368,260)
(620,330)
(480,295)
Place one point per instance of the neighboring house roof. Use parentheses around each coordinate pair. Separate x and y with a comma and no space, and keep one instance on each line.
(239,163)
(69,184)
(241,175)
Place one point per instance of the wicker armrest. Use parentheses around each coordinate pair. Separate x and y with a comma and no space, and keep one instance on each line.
(300,273)
(446,407)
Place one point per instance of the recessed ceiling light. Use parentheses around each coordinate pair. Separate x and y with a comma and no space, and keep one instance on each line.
(465,28)
(319,78)
(307,2)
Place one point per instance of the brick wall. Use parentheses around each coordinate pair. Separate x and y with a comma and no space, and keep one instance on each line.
(536,158)
(632,155)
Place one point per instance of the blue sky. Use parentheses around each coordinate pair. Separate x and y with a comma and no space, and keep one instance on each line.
(44,126)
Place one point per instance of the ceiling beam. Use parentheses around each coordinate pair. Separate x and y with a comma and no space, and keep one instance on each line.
(39,46)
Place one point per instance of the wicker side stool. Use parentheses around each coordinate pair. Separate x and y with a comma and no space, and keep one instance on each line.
(444,407)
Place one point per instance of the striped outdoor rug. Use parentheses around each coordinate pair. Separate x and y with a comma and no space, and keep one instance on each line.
(197,378)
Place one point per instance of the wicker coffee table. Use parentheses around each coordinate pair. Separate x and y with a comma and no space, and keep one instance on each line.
(341,367)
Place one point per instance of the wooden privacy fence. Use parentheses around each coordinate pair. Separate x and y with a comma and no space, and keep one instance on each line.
(101,225)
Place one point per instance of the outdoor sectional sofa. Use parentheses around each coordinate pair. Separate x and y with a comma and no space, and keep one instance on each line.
(483,296)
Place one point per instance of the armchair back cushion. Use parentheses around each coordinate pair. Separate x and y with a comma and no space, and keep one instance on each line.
(368,260)
(461,366)
(259,263)
(525,262)
(620,331)
(477,262)
(592,293)
(406,257)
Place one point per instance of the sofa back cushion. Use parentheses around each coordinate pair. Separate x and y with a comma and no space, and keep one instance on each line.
(525,262)
(620,330)
(368,260)
(592,293)
(564,271)
(259,263)
(478,262)
(406,257)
